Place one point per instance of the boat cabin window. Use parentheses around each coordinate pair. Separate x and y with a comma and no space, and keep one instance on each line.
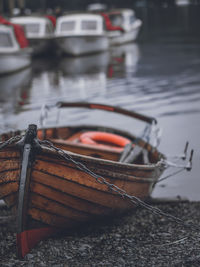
(67,26)
(32,28)
(132,19)
(89,25)
(116,19)
(5,40)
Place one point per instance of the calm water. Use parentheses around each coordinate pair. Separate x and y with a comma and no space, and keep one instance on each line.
(157,78)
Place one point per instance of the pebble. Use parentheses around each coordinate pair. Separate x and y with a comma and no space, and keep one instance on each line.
(139,238)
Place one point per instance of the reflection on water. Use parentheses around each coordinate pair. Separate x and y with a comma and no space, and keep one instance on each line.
(84,76)
(124,60)
(96,63)
(13,92)
(68,78)
(80,78)
(12,84)
(158,79)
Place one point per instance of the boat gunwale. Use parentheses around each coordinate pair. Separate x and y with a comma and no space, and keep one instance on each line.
(125,177)
(129,166)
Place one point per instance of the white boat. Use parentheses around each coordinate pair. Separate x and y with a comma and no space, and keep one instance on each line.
(80,34)
(39,32)
(122,26)
(12,56)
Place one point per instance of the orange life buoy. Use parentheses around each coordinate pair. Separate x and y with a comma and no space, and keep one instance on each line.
(92,136)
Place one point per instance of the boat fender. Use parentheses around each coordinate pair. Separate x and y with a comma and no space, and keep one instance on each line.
(91,137)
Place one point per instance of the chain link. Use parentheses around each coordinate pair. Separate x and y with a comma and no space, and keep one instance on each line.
(117,190)
(10,141)
(135,200)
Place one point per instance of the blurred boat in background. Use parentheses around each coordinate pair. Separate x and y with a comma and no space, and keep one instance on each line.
(122,26)
(14,51)
(80,33)
(39,32)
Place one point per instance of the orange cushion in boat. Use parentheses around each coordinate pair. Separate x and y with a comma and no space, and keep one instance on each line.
(91,137)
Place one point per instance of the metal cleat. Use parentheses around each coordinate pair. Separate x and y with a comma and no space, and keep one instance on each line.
(188,167)
(184,156)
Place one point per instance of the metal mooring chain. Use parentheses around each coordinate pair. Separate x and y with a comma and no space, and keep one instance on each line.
(102,180)
(10,141)
(118,190)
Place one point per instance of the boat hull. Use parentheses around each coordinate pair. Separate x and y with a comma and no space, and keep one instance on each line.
(81,45)
(68,182)
(127,36)
(15,61)
(63,194)
(123,37)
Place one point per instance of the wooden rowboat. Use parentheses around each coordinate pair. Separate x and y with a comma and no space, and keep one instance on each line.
(74,180)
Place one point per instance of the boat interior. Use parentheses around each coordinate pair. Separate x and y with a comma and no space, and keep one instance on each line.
(70,139)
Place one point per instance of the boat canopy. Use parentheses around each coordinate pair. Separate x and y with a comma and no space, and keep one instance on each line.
(35,27)
(18,31)
(79,24)
(121,20)
(109,25)
(52,19)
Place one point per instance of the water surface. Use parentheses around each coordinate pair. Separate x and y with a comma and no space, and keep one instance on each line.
(157,78)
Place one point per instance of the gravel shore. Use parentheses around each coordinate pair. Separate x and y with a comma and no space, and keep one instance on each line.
(138,239)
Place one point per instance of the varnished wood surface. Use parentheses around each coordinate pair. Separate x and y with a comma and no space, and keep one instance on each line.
(61,194)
